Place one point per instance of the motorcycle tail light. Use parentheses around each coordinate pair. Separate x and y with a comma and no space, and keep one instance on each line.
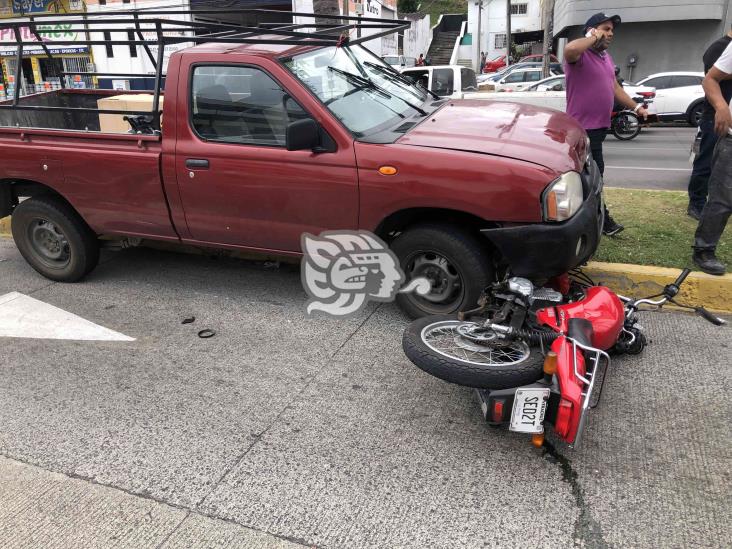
(537,440)
(497,413)
(564,414)
(647,94)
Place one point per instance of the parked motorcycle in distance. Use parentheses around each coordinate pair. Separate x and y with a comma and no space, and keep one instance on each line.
(536,355)
(625,125)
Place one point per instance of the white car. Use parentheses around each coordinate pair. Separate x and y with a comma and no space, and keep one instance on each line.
(444,80)
(399,62)
(551,92)
(679,95)
(519,79)
(553,83)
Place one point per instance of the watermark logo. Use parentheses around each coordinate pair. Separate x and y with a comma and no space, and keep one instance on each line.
(343,270)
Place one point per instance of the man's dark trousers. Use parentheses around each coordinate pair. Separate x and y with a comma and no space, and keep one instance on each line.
(596,138)
(699,180)
(719,204)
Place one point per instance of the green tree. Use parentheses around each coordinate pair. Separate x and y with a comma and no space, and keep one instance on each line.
(407,6)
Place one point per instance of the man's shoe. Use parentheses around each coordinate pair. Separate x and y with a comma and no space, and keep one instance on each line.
(610,227)
(694,212)
(707,261)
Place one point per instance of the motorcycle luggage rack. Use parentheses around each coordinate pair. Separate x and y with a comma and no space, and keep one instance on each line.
(598,358)
(152,28)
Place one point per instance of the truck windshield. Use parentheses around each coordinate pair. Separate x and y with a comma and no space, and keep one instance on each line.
(363,92)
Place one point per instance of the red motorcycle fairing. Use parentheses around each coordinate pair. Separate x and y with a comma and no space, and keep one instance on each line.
(569,412)
(600,306)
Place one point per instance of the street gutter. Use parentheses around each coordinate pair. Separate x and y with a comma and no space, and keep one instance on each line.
(711,292)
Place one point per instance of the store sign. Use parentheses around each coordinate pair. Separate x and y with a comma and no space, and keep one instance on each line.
(23,7)
(49,34)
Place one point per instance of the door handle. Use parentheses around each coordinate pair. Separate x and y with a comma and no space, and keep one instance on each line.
(197,163)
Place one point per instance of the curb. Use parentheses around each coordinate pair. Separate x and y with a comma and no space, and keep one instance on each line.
(711,292)
(699,289)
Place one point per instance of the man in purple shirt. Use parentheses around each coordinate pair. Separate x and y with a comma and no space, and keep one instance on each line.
(592,89)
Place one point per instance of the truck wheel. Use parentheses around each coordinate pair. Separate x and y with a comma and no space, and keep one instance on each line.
(455,262)
(53,239)
(437,345)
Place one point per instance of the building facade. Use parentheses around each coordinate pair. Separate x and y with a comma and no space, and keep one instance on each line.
(38,72)
(526,25)
(661,35)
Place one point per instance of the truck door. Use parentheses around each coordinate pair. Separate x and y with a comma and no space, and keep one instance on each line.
(239,185)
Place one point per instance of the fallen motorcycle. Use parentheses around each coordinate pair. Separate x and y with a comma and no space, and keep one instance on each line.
(537,355)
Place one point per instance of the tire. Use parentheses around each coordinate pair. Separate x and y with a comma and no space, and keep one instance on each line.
(626,126)
(526,368)
(454,260)
(54,239)
(694,113)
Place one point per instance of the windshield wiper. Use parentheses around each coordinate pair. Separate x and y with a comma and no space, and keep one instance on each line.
(361,81)
(365,82)
(399,76)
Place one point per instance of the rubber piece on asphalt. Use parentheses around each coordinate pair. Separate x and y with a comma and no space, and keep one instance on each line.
(205,334)
(190,320)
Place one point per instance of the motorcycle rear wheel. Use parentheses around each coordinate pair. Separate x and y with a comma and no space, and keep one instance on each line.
(435,345)
(626,126)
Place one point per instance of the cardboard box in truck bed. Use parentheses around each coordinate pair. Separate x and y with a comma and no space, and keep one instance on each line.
(115,123)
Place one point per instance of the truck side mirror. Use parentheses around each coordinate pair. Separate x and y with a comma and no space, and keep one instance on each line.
(302,134)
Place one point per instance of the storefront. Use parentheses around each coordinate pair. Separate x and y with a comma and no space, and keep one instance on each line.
(39,73)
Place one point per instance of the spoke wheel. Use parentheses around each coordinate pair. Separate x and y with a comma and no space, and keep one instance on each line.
(447,339)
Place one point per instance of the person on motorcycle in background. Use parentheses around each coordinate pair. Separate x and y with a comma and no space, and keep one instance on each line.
(592,89)
(719,202)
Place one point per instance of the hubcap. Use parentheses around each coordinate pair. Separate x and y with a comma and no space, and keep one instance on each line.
(49,243)
(447,284)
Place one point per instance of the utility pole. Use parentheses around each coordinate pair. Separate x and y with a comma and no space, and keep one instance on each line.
(548,20)
(479,5)
(508,32)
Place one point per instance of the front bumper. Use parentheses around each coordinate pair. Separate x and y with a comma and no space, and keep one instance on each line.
(543,250)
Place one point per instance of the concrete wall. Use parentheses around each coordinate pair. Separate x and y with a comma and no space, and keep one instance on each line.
(418,37)
(667,35)
(667,46)
(568,13)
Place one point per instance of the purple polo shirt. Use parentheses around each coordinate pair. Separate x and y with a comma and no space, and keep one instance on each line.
(591,89)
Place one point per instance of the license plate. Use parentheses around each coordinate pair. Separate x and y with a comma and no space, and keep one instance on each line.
(529,407)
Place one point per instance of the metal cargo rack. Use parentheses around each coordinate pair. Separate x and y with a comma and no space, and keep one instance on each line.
(206,26)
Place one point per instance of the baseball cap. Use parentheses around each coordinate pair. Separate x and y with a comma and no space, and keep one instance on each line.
(599,18)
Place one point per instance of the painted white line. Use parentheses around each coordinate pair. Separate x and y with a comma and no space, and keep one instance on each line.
(644,149)
(25,317)
(649,169)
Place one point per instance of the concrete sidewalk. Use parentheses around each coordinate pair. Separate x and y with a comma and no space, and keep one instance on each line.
(52,510)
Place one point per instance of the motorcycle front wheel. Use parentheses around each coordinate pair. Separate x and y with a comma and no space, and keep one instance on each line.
(626,126)
(444,347)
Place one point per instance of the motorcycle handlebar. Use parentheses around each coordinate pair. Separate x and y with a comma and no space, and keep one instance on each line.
(671,290)
(679,281)
(706,315)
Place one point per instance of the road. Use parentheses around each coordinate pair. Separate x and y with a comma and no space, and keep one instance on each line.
(657,159)
(286,431)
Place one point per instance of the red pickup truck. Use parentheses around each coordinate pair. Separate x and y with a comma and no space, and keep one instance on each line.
(261,143)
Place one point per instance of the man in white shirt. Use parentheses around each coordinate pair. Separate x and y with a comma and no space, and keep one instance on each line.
(719,204)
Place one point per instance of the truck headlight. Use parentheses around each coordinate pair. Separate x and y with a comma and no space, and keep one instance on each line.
(563,197)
